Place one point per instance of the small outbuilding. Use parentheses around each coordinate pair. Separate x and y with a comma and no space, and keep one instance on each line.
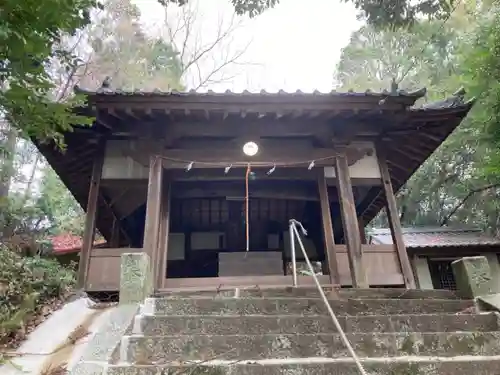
(433,249)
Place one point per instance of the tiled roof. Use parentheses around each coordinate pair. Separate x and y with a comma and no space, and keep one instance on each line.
(68,243)
(436,237)
(281,93)
(403,97)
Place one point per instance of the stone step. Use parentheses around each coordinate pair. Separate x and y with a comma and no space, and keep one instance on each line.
(255,325)
(312,292)
(164,349)
(405,366)
(305,306)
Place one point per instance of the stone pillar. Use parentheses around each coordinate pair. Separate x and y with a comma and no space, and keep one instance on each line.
(422,273)
(136,281)
(495,271)
(473,276)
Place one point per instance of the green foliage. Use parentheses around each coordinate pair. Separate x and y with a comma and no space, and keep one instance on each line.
(118,40)
(395,14)
(422,57)
(381,14)
(30,37)
(58,207)
(250,7)
(455,186)
(25,285)
(481,62)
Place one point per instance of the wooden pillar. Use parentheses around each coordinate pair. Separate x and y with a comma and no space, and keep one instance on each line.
(362,233)
(350,223)
(153,211)
(164,232)
(90,217)
(329,240)
(395,224)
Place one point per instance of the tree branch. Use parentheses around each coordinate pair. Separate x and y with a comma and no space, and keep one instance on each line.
(465,199)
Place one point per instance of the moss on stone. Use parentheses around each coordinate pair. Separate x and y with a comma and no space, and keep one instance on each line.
(368,346)
(196,370)
(470,344)
(408,345)
(405,369)
(429,344)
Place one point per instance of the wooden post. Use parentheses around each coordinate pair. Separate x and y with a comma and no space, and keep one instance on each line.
(395,224)
(164,232)
(350,223)
(362,233)
(90,217)
(329,240)
(153,208)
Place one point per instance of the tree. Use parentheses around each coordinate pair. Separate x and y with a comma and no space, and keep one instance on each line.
(29,33)
(413,58)
(122,51)
(59,208)
(378,13)
(482,73)
(451,187)
(250,7)
(206,53)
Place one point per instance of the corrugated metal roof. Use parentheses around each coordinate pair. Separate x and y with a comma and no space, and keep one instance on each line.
(436,237)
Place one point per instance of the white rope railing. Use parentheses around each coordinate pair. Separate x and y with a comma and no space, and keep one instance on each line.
(294,234)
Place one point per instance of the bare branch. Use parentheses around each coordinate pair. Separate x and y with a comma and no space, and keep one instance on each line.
(204,61)
(217,69)
(465,199)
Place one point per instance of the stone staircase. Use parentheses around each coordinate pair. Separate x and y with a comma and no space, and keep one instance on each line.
(289,331)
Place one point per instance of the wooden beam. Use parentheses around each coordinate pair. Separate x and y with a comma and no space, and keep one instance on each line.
(164,232)
(394,223)
(90,217)
(217,158)
(267,189)
(350,223)
(243,127)
(105,202)
(329,240)
(153,212)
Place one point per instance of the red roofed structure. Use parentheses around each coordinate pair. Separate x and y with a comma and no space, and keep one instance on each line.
(68,243)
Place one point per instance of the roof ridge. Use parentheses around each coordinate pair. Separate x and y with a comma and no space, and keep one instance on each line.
(425,229)
(384,93)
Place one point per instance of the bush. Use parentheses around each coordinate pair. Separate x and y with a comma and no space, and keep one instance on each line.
(26,284)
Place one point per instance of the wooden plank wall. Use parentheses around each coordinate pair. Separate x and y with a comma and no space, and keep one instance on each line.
(104,268)
(381,262)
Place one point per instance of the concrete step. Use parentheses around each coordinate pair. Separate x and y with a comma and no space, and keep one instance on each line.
(403,366)
(298,324)
(312,292)
(164,349)
(304,306)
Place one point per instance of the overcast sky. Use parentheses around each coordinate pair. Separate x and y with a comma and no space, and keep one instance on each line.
(294,46)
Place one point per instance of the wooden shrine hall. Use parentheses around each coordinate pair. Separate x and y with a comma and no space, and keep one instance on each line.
(197,179)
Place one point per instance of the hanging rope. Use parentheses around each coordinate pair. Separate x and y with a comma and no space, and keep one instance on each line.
(190,164)
(247,207)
